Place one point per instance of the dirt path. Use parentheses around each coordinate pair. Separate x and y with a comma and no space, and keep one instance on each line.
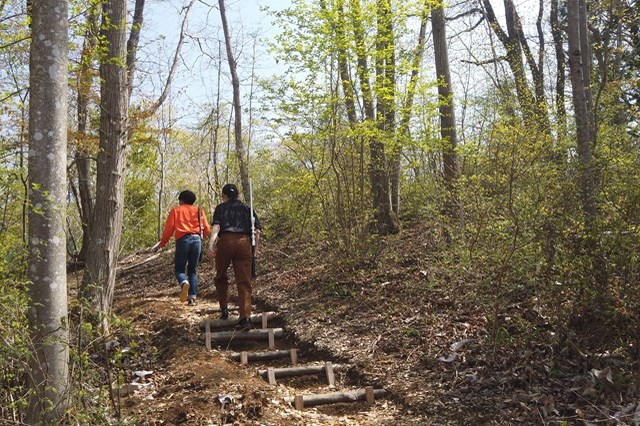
(190,385)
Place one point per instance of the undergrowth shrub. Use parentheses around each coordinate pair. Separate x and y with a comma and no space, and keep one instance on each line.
(99,362)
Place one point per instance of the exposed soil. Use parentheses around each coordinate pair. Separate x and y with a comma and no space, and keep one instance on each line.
(387,323)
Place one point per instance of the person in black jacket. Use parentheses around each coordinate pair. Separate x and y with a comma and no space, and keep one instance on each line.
(230,244)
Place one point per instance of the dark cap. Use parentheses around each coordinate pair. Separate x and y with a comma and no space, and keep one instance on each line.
(230,190)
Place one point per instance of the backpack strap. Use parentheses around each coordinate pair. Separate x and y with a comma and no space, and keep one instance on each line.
(200,223)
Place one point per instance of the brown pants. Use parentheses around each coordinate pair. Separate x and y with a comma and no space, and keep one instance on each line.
(234,249)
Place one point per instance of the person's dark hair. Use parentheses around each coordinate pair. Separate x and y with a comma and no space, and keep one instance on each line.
(230,190)
(187,197)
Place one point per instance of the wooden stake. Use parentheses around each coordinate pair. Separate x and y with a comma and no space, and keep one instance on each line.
(264,320)
(369,395)
(207,337)
(272,339)
(330,376)
(299,402)
(244,358)
(272,376)
(294,356)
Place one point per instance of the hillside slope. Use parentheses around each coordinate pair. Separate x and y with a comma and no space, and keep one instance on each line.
(406,320)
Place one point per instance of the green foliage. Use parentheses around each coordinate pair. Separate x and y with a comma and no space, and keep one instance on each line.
(329,147)
(140,200)
(99,363)
(15,348)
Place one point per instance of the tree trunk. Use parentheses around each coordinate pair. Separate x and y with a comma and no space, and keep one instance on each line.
(106,227)
(132,44)
(576,32)
(534,111)
(213,183)
(82,155)
(48,107)
(403,127)
(561,112)
(386,219)
(235,82)
(447,111)
(343,66)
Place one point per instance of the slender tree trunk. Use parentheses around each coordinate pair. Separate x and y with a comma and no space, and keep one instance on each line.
(132,46)
(82,155)
(213,184)
(447,111)
(106,228)
(48,107)
(162,149)
(581,104)
(235,82)
(386,219)
(534,113)
(132,43)
(407,109)
(556,32)
(343,66)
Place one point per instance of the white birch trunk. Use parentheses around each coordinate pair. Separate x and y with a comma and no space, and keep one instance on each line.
(48,106)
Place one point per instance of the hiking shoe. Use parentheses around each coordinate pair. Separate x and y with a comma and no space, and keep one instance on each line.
(184,293)
(224,313)
(243,325)
(192,301)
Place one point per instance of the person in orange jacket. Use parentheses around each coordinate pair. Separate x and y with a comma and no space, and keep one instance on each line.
(189,225)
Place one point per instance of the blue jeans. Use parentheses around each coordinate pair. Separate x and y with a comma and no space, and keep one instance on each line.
(186,260)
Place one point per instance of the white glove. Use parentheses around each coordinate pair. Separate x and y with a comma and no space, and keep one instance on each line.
(156,247)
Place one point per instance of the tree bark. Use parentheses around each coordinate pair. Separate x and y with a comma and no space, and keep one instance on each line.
(82,154)
(132,44)
(386,219)
(106,228)
(561,112)
(403,127)
(576,33)
(534,111)
(235,83)
(343,66)
(48,107)
(446,109)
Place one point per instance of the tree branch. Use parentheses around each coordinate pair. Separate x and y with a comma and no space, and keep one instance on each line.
(174,65)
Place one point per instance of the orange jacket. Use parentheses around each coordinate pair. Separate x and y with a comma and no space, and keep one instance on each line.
(183,220)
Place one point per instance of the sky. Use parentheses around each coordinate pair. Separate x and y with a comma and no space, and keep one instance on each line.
(196,81)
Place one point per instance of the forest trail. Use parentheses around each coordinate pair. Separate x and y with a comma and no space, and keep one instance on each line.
(176,379)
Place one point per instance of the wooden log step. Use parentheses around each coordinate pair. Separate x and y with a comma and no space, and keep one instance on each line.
(334,397)
(299,371)
(217,311)
(257,334)
(215,323)
(263,355)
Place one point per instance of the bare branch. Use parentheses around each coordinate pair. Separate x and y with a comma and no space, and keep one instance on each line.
(14,42)
(11,95)
(174,65)
(488,61)
(473,11)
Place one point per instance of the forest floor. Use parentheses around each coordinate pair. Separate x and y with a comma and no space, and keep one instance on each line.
(404,321)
